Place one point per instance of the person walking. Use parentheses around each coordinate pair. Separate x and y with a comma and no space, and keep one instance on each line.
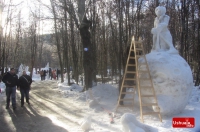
(11,80)
(44,75)
(24,85)
(41,74)
(50,72)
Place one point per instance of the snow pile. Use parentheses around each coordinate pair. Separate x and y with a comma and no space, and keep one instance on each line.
(2,87)
(195,98)
(105,98)
(172,80)
(106,94)
(86,123)
(36,77)
(131,124)
(103,93)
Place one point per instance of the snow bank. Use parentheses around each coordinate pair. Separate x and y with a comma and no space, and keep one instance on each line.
(172,80)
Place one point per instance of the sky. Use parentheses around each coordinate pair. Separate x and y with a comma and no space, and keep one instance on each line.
(26,6)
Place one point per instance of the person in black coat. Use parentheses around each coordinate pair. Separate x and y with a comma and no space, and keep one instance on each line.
(44,75)
(24,85)
(11,80)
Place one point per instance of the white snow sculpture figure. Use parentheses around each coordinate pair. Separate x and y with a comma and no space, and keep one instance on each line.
(26,68)
(86,123)
(171,75)
(131,124)
(47,66)
(162,39)
(20,70)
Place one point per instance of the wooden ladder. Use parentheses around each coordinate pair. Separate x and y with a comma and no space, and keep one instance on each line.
(136,51)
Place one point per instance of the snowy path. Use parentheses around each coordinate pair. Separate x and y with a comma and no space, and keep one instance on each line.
(48,112)
(51,111)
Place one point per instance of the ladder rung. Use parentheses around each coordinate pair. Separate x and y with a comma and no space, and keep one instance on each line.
(129,99)
(129,86)
(150,113)
(138,42)
(139,49)
(146,86)
(131,57)
(130,72)
(147,95)
(127,92)
(149,104)
(130,79)
(125,105)
(131,65)
(139,56)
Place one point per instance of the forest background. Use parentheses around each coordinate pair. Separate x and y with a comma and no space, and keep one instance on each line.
(90,37)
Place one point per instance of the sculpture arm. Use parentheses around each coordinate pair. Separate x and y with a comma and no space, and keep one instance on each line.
(163,24)
(153,30)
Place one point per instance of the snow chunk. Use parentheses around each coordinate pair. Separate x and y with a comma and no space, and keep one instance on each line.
(131,124)
(172,80)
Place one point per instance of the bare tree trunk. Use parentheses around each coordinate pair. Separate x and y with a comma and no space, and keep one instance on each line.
(17,39)
(87,54)
(33,49)
(93,38)
(74,52)
(88,60)
(120,37)
(66,45)
(57,41)
(104,44)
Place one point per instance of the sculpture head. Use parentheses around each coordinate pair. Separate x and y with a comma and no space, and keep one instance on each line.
(160,10)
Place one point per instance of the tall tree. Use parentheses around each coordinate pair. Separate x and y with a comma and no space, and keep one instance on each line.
(88,60)
(57,39)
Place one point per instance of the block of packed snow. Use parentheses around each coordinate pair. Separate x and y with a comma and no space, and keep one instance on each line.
(172,80)
(131,124)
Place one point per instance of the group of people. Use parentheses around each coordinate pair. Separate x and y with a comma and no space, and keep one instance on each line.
(43,74)
(12,83)
(53,74)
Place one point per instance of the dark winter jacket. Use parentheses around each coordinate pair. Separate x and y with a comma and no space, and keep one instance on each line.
(25,82)
(10,80)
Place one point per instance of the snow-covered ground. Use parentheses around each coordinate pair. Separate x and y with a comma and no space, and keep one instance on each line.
(105,101)
(106,95)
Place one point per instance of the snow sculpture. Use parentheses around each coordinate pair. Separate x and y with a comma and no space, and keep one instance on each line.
(23,68)
(172,80)
(131,124)
(26,68)
(20,70)
(86,123)
(47,66)
(170,73)
(162,39)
